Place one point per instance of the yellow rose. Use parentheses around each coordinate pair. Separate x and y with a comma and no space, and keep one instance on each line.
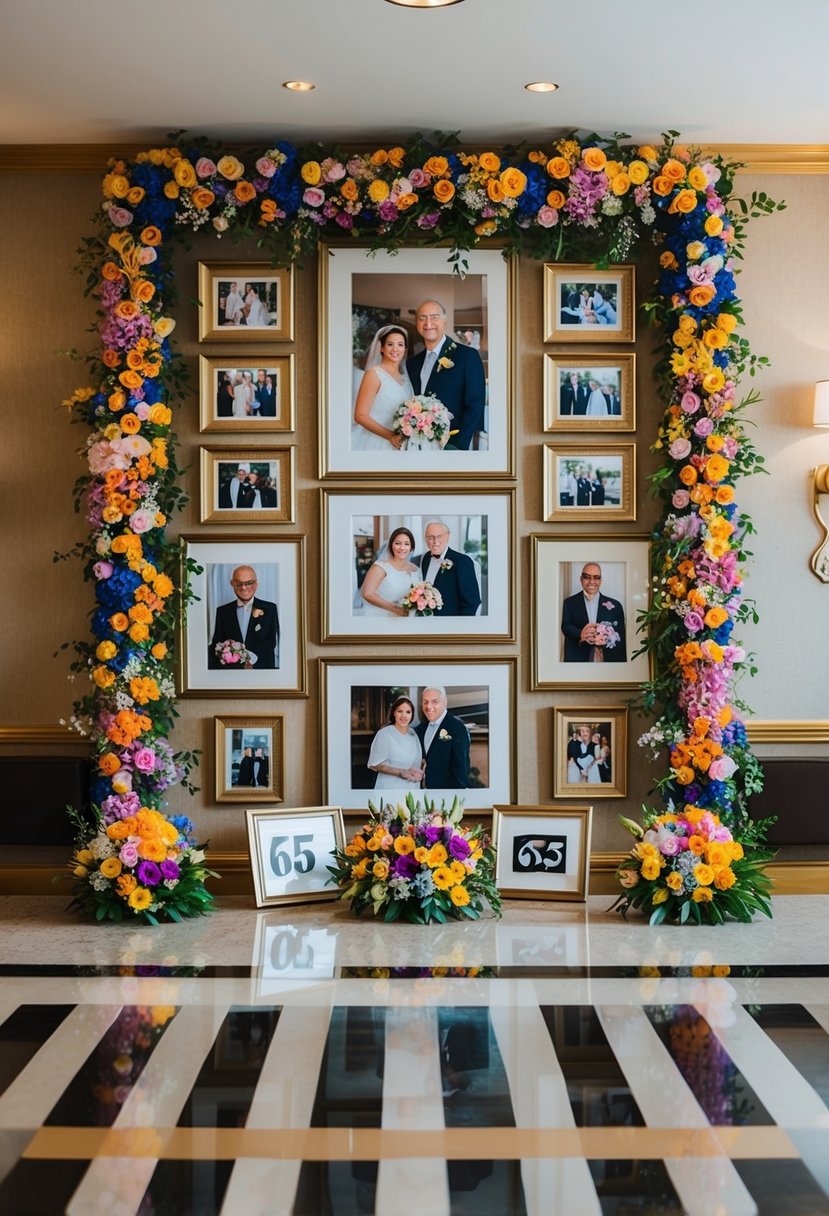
(695,250)
(103,677)
(396,157)
(135,195)
(702,895)
(612,168)
(650,868)
(558,167)
(495,191)
(514,182)
(163,327)
(716,468)
(171,189)
(106,650)
(185,174)
(116,185)
(380,869)
(489,162)
(713,225)
(647,152)
(674,880)
(638,172)
(673,170)
(697,178)
(620,184)
(687,323)
(684,202)
(594,159)
(727,322)
(230,168)
(660,895)
(662,185)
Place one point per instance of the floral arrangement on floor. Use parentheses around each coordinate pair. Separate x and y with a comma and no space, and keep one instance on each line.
(424,599)
(688,867)
(423,421)
(415,863)
(594,198)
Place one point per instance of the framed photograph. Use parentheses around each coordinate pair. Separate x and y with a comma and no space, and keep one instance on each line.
(290,851)
(587,481)
(245,302)
(594,393)
(587,593)
(439,730)
(583,304)
(243,628)
(542,852)
(396,327)
(377,547)
(250,759)
(590,749)
(252,485)
(252,392)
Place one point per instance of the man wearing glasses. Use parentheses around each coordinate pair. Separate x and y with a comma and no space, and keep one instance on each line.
(593,624)
(249,620)
(450,371)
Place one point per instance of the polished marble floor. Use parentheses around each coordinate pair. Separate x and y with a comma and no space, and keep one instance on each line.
(298,1062)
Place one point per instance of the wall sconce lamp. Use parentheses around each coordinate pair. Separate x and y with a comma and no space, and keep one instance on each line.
(820,557)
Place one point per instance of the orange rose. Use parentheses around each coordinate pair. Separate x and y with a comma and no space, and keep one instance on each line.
(244,191)
(486,228)
(555,199)
(110,358)
(727,322)
(134,359)
(130,424)
(714,617)
(396,157)
(724,495)
(495,190)
(673,170)
(151,235)
(489,162)
(668,260)
(514,182)
(110,272)
(185,174)
(143,290)
(201,197)
(131,379)
(349,189)
(684,202)
(716,468)
(380,157)
(444,190)
(687,475)
(109,764)
(662,185)
(127,310)
(406,201)
(117,401)
(436,166)
(171,190)
(119,621)
(702,294)
(620,184)
(594,159)
(558,167)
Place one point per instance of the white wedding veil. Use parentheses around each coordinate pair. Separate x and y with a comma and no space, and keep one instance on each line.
(374,356)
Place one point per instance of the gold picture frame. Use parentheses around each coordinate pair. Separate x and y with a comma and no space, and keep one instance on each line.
(583,304)
(542,852)
(590,749)
(274,399)
(265,495)
(587,482)
(289,853)
(224,321)
(569,379)
(263,778)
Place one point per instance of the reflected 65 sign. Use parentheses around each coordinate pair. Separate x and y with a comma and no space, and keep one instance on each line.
(290,851)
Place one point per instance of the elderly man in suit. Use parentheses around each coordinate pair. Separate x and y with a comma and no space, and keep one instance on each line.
(238,492)
(451,372)
(450,572)
(444,741)
(249,620)
(582,616)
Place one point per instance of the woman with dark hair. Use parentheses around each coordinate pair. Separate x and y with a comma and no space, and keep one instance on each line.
(391,577)
(385,386)
(396,756)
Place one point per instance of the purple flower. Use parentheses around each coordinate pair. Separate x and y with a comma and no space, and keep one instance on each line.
(387,210)
(405,865)
(344,219)
(103,569)
(149,874)
(144,760)
(703,427)
(433,833)
(693,622)
(459,847)
(169,869)
(428,221)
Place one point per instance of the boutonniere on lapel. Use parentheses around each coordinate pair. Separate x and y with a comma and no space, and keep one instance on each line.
(444,361)
(447,565)
(444,735)
(257,612)
(608,605)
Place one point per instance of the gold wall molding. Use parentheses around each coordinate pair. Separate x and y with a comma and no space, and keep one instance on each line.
(92,158)
(792,731)
(41,735)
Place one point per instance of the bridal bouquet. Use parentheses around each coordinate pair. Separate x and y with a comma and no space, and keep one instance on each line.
(234,654)
(416,863)
(422,421)
(423,599)
(606,635)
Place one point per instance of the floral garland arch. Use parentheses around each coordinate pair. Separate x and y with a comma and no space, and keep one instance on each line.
(596,198)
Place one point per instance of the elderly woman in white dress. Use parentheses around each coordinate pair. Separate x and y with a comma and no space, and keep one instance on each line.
(396,755)
(391,577)
(256,312)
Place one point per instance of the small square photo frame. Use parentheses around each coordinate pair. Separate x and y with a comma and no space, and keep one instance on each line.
(590,749)
(542,852)
(251,391)
(245,302)
(589,392)
(252,485)
(589,481)
(249,758)
(583,304)
(290,850)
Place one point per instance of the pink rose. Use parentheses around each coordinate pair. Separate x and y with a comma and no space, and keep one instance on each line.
(313,197)
(729,448)
(332,171)
(668,844)
(680,499)
(144,760)
(220,223)
(418,178)
(205,167)
(142,411)
(547,217)
(690,403)
(147,255)
(680,449)
(693,622)
(265,166)
(142,520)
(699,274)
(722,768)
(120,217)
(704,427)
(103,569)
(129,853)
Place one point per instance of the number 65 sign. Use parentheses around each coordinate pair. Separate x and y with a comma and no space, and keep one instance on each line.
(290,851)
(542,852)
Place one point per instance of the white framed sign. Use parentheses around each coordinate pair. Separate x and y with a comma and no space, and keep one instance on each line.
(290,851)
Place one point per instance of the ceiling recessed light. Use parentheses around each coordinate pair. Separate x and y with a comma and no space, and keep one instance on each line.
(541,86)
(298,86)
(424,3)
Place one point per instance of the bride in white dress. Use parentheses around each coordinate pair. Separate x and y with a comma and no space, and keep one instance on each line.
(385,386)
(396,755)
(242,395)
(391,577)
(256,314)
(596,402)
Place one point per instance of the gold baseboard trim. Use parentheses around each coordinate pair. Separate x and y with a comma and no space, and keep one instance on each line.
(788,877)
(41,735)
(92,158)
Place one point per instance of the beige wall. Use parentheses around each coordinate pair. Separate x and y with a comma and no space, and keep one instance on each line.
(44,604)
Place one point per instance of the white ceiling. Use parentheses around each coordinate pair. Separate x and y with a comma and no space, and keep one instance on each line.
(747,71)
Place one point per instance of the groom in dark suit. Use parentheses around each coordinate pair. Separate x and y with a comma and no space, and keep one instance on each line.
(444,741)
(450,572)
(582,613)
(451,372)
(249,620)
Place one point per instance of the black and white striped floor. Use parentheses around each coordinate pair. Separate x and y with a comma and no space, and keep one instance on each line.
(302,1063)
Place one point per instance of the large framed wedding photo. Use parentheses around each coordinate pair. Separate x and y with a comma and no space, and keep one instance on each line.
(245,302)
(542,852)
(251,392)
(418,565)
(590,749)
(247,485)
(437,730)
(249,757)
(405,343)
(289,853)
(589,392)
(243,628)
(589,481)
(583,304)
(587,593)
